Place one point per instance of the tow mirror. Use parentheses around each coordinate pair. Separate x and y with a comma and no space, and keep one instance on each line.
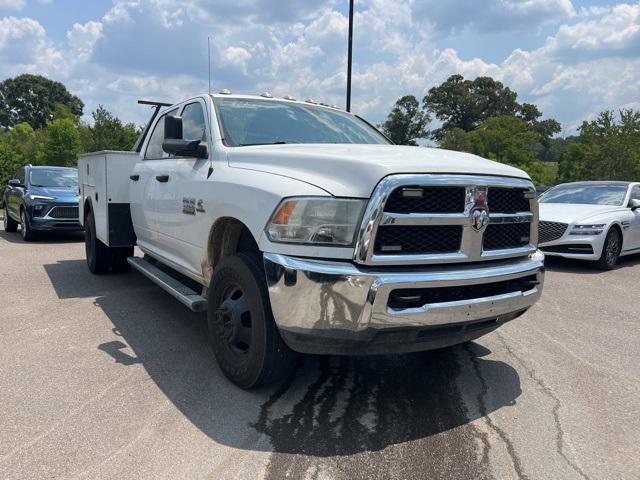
(14,182)
(634,204)
(174,143)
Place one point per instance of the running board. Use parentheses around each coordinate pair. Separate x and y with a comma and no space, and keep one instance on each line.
(175,288)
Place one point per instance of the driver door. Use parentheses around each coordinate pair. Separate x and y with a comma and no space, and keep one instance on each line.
(634,229)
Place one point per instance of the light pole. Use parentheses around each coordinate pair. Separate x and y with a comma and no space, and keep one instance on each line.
(350,55)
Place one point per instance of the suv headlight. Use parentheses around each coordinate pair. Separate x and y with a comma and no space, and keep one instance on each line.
(40,197)
(595,229)
(316,221)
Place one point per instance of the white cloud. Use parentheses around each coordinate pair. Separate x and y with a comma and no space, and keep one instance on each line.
(12,4)
(82,38)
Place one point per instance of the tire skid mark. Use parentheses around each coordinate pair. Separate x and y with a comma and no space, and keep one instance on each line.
(561,441)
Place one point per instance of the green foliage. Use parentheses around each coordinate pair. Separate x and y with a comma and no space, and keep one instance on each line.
(467,104)
(607,149)
(32,99)
(62,143)
(506,139)
(109,133)
(19,146)
(406,122)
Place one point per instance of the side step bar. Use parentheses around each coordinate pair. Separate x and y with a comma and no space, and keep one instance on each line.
(177,290)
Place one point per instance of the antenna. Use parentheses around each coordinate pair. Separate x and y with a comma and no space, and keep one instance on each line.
(350,55)
(209,57)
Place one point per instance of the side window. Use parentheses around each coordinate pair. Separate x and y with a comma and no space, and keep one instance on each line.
(193,124)
(154,147)
(20,175)
(635,193)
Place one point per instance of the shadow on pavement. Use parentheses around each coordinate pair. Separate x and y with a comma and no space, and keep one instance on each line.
(331,406)
(568,265)
(44,237)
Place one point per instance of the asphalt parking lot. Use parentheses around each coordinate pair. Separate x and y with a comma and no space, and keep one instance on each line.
(108,377)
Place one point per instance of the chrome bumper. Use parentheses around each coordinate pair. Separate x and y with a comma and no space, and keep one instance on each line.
(336,307)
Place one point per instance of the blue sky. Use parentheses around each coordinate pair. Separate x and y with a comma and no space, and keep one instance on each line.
(572,58)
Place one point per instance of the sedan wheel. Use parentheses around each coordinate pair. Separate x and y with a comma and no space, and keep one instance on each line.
(611,250)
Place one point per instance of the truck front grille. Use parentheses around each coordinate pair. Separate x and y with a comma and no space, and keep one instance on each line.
(418,297)
(418,240)
(506,235)
(64,212)
(417,199)
(550,231)
(423,219)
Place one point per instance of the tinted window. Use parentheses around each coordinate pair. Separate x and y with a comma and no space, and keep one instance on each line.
(586,194)
(193,124)
(20,175)
(251,122)
(154,148)
(635,192)
(55,177)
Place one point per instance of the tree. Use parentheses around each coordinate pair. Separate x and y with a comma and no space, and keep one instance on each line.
(32,99)
(19,146)
(506,139)
(406,122)
(62,143)
(608,148)
(465,104)
(109,133)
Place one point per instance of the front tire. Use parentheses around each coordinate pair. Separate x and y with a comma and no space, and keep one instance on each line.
(245,339)
(25,227)
(98,254)
(10,225)
(611,250)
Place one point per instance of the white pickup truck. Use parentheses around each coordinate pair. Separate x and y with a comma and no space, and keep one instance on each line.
(299,227)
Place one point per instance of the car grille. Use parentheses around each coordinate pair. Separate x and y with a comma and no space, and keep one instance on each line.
(435,220)
(418,240)
(507,235)
(416,199)
(550,231)
(507,200)
(64,212)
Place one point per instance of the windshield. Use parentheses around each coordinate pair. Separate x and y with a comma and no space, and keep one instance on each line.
(55,177)
(259,122)
(586,194)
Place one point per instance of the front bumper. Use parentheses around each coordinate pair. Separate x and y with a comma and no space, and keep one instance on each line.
(42,221)
(575,246)
(328,307)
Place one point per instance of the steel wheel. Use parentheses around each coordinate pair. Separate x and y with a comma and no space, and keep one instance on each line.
(234,322)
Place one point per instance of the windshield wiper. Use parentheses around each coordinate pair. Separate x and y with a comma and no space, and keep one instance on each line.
(277,142)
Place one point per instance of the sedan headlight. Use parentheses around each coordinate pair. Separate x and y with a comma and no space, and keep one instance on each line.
(40,197)
(317,221)
(595,229)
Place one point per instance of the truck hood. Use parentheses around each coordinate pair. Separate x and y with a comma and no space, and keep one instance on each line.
(355,170)
(575,213)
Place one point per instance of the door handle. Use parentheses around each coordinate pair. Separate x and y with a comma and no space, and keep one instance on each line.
(135,178)
(162,178)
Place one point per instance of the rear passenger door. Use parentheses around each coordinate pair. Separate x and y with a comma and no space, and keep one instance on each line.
(181,198)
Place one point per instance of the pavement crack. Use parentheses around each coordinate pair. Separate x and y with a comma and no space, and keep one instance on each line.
(482,404)
(557,404)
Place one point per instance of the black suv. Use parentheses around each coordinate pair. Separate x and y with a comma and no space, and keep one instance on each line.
(42,199)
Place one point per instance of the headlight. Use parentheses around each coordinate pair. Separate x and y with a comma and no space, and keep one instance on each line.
(40,197)
(318,221)
(595,229)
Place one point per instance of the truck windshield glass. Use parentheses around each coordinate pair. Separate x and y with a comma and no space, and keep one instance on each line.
(264,122)
(67,177)
(586,194)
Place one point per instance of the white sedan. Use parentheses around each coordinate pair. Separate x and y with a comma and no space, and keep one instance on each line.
(597,221)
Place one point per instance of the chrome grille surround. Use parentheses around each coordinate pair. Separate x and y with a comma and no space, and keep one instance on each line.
(471,249)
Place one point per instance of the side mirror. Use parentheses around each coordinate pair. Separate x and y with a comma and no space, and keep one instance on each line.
(14,182)
(174,143)
(634,204)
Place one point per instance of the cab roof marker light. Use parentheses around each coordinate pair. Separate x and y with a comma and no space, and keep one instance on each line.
(266,95)
(289,97)
(225,92)
(311,100)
